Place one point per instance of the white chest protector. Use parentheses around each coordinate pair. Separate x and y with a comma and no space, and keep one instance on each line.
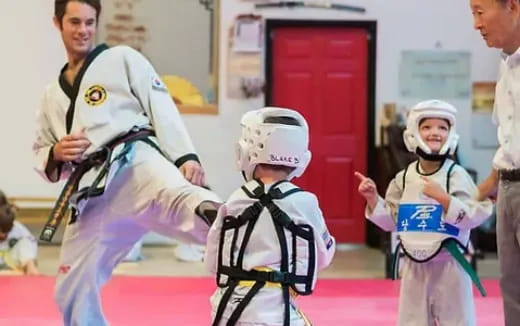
(420,219)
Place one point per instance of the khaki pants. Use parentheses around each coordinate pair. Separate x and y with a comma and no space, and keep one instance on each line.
(508,242)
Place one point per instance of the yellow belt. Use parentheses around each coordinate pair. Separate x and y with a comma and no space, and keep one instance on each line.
(276,285)
(4,255)
(267,284)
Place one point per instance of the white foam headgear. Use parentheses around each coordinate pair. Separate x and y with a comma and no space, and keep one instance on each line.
(430,109)
(273,143)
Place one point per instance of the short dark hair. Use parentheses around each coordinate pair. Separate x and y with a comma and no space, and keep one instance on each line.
(3,198)
(282,121)
(60,6)
(7,215)
(423,119)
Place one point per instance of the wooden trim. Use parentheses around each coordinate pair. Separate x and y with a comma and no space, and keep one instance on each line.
(215,58)
(198,109)
(32,199)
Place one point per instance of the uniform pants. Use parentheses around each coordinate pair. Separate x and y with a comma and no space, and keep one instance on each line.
(149,194)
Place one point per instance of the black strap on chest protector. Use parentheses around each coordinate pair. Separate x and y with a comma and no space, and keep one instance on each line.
(230,276)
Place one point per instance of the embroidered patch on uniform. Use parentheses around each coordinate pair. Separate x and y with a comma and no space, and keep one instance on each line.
(325,235)
(95,95)
(330,243)
(12,242)
(460,217)
(158,85)
(327,239)
(63,269)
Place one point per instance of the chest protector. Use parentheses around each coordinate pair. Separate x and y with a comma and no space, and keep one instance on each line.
(291,280)
(420,222)
(419,218)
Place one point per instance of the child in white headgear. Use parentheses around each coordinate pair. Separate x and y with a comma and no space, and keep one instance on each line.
(432,205)
(269,239)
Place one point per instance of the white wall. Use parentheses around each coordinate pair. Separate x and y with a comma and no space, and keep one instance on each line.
(32,56)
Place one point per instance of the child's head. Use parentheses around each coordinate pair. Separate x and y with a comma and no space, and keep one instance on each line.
(434,133)
(273,138)
(430,130)
(7,215)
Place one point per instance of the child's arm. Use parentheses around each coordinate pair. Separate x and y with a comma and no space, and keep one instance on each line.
(325,242)
(213,239)
(488,187)
(465,210)
(381,211)
(30,268)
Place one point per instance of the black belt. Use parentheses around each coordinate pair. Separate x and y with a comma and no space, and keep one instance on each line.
(95,159)
(509,175)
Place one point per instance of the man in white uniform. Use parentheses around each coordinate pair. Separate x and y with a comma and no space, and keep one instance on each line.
(110,127)
(498,21)
(270,238)
(432,204)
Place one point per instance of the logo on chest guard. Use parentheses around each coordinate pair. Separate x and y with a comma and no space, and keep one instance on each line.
(95,95)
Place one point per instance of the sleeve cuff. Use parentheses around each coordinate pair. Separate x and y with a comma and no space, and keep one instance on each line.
(53,167)
(381,217)
(188,157)
(379,209)
(457,211)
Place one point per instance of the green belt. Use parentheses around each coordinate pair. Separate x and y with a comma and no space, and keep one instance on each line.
(453,247)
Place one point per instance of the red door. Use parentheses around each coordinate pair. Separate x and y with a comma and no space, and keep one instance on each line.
(322,73)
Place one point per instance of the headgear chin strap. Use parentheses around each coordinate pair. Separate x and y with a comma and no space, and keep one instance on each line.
(431,157)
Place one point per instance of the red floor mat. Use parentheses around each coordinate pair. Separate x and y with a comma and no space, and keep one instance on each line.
(158,301)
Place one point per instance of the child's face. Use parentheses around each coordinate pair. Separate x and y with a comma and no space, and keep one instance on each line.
(3,236)
(434,132)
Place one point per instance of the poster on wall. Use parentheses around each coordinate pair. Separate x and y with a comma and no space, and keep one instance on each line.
(245,78)
(484,134)
(435,74)
(483,97)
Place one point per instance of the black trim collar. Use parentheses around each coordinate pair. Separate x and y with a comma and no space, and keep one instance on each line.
(64,84)
(430,157)
(72,91)
(428,174)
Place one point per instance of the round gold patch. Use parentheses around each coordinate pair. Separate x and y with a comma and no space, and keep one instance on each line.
(95,95)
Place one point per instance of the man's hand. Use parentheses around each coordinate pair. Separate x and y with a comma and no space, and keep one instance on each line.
(367,188)
(193,172)
(71,147)
(488,188)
